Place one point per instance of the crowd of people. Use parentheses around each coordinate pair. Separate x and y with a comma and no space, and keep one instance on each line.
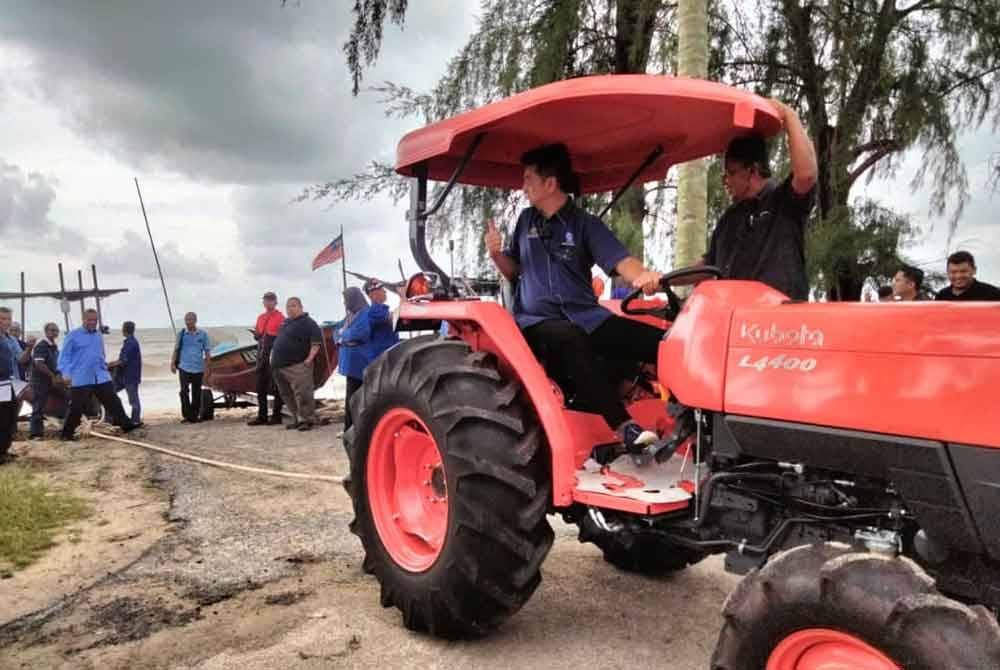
(908,283)
(288,346)
(77,373)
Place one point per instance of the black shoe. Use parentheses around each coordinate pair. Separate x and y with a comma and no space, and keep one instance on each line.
(292,426)
(606,453)
(276,420)
(257,422)
(36,437)
(71,438)
(305,425)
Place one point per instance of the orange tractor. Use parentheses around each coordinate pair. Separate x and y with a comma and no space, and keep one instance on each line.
(845,457)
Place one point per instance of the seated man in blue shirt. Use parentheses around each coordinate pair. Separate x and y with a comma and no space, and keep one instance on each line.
(191,356)
(551,252)
(82,362)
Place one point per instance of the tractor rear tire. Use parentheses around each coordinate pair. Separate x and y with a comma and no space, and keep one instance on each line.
(434,399)
(642,554)
(824,602)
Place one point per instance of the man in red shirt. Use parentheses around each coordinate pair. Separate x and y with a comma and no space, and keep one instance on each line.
(264,332)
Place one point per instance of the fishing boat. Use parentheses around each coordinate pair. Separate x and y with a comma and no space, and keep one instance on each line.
(232,373)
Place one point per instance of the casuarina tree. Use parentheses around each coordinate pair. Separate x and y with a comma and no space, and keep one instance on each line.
(873,78)
(516,46)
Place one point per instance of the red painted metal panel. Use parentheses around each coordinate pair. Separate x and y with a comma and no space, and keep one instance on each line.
(922,370)
(617,120)
(692,358)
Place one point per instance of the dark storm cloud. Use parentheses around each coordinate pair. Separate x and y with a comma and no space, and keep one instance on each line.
(25,203)
(133,257)
(221,91)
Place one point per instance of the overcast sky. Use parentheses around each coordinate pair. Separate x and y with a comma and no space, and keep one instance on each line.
(225,111)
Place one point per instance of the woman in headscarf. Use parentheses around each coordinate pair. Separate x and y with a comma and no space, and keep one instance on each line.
(352,361)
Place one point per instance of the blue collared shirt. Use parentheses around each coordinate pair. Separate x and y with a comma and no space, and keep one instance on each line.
(82,358)
(193,347)
(556,256)
(8,361)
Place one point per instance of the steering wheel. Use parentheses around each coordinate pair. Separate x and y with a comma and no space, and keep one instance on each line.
(674,302)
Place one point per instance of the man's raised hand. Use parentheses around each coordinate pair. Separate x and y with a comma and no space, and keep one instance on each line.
(494,240)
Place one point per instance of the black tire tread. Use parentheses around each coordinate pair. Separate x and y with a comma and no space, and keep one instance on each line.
(642,554)
(890,603)
(499,486)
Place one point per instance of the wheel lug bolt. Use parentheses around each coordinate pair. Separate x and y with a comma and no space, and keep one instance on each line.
(427,482)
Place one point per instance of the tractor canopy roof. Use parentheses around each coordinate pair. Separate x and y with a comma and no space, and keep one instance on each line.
(610,123)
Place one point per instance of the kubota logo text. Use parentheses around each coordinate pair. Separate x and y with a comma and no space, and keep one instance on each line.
(776,336)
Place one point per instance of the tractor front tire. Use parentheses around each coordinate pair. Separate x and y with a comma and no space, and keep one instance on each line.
(824,605)
(640,553)
(451,485)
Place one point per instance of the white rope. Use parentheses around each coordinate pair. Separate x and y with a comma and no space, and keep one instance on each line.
(219,464)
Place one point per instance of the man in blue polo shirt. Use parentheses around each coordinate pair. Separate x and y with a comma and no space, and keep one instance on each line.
(82,362)
(551,252)
(191,357)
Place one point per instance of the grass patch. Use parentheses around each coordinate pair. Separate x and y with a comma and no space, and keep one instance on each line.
(31,513)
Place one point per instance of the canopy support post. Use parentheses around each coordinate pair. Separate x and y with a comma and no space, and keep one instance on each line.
(419,213)
(653,156)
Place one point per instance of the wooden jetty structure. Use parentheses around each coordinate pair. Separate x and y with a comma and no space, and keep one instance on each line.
(66,296)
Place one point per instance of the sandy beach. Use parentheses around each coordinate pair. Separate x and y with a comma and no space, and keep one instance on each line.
(185,566)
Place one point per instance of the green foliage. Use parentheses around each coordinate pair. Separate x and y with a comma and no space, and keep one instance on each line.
(874,78)
(855,243)
(30,515)
(365,41)
(516,46)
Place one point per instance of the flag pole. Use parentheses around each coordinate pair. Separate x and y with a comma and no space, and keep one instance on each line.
(343,265)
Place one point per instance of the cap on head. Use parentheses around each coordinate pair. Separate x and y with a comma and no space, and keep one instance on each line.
(749,149)
(372,284)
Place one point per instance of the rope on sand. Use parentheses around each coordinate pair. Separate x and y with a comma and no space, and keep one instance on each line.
(218,464)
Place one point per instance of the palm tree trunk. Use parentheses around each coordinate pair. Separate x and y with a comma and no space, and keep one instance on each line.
(692,188)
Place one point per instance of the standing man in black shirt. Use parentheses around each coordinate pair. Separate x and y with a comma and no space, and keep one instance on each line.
(299,341)
(964,286)
(762,234)
(44,378)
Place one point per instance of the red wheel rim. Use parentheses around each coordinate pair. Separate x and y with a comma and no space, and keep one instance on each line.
(826,649)
(407,489)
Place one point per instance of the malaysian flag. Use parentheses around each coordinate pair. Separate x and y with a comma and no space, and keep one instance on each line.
(331,253)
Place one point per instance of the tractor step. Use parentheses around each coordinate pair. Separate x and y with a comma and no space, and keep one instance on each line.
(647,489)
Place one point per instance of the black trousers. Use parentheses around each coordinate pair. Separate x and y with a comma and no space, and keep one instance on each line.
(265,385)
(576,359)
(40,396)
(8,424)
(190,394)
(352,386)
(79,399)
